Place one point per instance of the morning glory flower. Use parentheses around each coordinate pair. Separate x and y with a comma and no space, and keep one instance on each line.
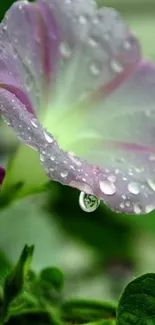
(75,88)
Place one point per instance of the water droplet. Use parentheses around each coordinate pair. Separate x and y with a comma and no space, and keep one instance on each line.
(139,170)
(48,137)
(127,45)
(64,174)
(152,157)
(95,21)
(83,19)
(150,113)
(92,42)
(117,171)
(52,158)
(4,28)
(122,205)
(137,208)
(116,66)
(151,183)
(112,178)
(127,203)
(134,188)
(124,197)
(107,187)
(42,157)
(88,203)
(94,69)
(150,208)
(65,50)
(34,123)
(71,154)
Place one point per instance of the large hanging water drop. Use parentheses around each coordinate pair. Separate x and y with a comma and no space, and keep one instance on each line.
(88,202)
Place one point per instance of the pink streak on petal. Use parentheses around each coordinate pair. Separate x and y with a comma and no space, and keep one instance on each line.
(48,34)
(127,146)
(107,89)
(20,94)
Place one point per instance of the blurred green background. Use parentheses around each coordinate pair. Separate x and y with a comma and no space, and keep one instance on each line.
(99,252)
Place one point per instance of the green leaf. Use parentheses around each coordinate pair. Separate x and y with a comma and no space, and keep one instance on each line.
(137,303)
(15,280)
(31,317)
(52,277)
(5,266)
(82,310)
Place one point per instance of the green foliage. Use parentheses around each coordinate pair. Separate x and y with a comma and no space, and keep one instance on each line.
(15,280)
(52,277)
(137,303)
(122,246)
(82,310)
(31,317)
(17,306)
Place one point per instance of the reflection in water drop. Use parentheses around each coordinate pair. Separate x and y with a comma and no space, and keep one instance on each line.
(88,202)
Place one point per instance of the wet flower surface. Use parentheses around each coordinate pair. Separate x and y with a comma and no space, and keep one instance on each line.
(72,79)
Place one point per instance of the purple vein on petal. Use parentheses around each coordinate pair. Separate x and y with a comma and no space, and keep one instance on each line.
(111,86)
(47,25)
(20,94)
(127,146)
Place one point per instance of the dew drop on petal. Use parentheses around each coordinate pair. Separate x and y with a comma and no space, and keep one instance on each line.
(34,123)
(94,69)
(88,203)
(65,50)
(127,203)
(127,45)
(151,183)
(134,188)
(4,28)
(150,208)
(107,187)
(111,178)
(42,158)
(122,205)
(116,66)
(64,174)
(52,158)
(137,208)
(82,19)
(92,42)
(152,157)
(48,137)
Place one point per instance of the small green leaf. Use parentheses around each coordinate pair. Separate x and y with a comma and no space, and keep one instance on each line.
(14,282)
(52,277)
(82,310)
(137,303)
(31,317)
